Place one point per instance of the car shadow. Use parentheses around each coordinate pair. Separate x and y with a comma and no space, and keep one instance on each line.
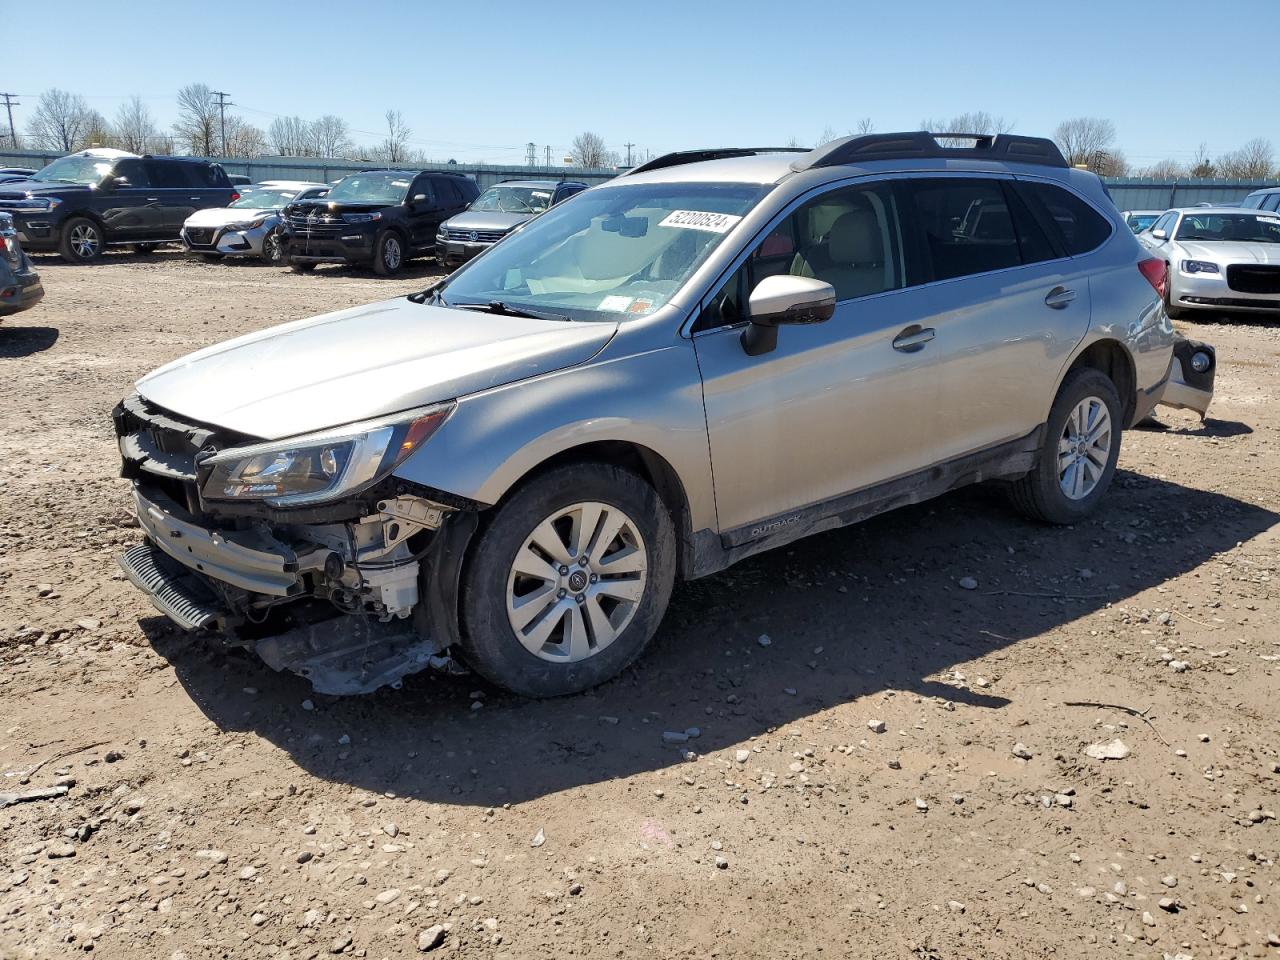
(18,341)
(1209,427)
(849,614)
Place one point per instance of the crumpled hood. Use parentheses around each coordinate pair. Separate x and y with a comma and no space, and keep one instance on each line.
(487,221)
(221,216)
(1220,251)
(364,362)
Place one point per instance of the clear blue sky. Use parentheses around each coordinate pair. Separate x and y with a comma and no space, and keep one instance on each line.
(478,81)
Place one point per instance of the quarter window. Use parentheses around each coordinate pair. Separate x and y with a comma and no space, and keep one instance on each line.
(1080,227)
(965,226)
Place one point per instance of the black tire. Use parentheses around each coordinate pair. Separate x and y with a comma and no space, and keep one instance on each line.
(490,644)
(143,249)
(1039,494)
(389,254)
(301,267)
(275,250)
(211,257)
(1174,313)
(82,240)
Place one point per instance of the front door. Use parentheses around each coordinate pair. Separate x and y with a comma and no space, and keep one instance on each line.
(837,406)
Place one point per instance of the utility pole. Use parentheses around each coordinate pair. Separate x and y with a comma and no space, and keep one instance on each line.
(548,154)
(223,103)
(531,153)
(628,146)
(9,104)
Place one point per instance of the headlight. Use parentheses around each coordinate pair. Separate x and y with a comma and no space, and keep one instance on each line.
(1199,266)
(319,467)
(360,217)
(249,224)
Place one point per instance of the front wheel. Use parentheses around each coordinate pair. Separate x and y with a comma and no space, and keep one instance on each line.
(1078,455)
(388,254)
(274,250)
(82,240)
(568,582)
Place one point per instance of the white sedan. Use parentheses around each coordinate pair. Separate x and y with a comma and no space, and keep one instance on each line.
(250,226)
(1218,258)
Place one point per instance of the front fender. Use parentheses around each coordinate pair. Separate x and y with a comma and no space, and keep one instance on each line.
(496,437)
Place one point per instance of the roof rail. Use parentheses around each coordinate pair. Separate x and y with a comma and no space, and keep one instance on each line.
(697,156)
(922,144)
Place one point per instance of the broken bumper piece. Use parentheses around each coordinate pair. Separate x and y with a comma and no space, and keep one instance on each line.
(1191,376)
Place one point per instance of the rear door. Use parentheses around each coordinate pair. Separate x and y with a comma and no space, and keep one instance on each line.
(423,213)
(1007,312)
(452,198)
(132,208)
(171,184)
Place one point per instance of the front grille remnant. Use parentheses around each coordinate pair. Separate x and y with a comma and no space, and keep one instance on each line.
(174,590)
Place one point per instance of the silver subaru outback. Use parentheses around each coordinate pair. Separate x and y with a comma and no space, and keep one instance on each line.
(711,356)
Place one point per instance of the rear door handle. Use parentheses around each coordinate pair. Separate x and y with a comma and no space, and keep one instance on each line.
(913,338)
(1059,297)
(197,198)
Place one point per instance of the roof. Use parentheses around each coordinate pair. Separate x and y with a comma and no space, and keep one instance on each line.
(763,168)
(287,184)
(535,183)
(1251,211)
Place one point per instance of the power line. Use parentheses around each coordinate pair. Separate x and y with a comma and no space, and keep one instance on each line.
(9,104)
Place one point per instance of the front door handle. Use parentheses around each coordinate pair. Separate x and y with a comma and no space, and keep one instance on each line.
(1059,297)
(153,199)
(913,338)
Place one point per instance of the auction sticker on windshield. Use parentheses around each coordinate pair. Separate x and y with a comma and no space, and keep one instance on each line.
(700,220)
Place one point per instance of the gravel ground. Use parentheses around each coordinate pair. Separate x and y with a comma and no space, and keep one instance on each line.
(902,769)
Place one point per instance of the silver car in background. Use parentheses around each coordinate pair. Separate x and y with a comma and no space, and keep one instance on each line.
(713,355)
(1139,220)
(1218,258)
(250,226)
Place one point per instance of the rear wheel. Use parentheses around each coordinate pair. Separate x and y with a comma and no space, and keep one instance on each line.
(569,581)
(1078,455)
(82,240)
(388,254)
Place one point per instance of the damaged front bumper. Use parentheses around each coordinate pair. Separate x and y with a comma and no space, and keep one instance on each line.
(340,595)
(1191,375)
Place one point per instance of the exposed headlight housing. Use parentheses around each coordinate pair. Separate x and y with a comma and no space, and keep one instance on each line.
(1199,266)
(318,467)
(360,217)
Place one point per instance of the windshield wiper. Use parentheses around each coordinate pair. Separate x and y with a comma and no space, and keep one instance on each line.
(504,310)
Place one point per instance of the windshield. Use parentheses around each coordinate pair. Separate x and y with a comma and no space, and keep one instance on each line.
(1230,227)
(508,199)
(614,250)
(1140,221)
(264,199)
(371,188)
(76,170)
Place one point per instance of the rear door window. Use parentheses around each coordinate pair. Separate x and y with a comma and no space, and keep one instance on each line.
(1080,227)
(167,174)
(964,226)
(135,171)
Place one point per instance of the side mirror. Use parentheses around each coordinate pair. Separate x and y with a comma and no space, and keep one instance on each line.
(1160,234)
(784,300)
(115,183)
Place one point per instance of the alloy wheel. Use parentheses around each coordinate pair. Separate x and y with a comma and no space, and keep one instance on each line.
(576,582)
(1084,448)
(85,241)
(391,253)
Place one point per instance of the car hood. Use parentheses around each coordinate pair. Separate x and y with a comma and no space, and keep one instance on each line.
(364,362)
(19,189)
(488,221)
(336,207)
(220,216)
(1230,252)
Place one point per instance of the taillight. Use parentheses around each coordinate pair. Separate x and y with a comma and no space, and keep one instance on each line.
(4,245)
(1156,272)
(234,196)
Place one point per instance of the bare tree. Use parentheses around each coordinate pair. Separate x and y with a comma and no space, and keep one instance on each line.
(244,139)
(588,150)
(864,126)
(134,126)
(197,123)
(1202,166)
(827,135)
(1111,163)
(1256,160)
(329,136)
(395,148)
(1085,141)
(977,122)
(1165,170)
(61,121)
(290,136)
(98,132)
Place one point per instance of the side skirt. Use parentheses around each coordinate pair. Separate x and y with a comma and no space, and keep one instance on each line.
(713,553)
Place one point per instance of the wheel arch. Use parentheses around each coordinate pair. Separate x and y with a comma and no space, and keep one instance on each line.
(1112,358)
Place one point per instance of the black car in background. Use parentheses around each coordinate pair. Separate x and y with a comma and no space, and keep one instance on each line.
(376,217)
(20,286)
(82,203)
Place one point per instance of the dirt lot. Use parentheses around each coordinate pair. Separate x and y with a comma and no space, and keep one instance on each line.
(217,809)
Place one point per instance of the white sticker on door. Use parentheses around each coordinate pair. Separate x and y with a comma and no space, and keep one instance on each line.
(700,220)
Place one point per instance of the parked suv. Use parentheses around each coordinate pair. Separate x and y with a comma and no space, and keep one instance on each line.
(376,217)
(1267,198)
(20,287)
(82,203)
(497,212)
(713,355)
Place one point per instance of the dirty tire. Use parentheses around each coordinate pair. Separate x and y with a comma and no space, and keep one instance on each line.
(490,644)
(1039,494)
(389,254)
(82,240)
